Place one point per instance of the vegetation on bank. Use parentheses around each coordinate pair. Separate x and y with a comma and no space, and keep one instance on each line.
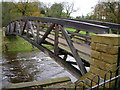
(17,44)
(104,10)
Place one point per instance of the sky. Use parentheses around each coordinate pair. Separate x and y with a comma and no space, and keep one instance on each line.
(83,7)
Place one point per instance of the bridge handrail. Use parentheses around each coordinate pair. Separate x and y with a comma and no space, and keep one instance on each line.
(85,26)
(113,26)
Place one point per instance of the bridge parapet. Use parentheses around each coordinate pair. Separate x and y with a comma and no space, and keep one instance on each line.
(105,56)
(54,31)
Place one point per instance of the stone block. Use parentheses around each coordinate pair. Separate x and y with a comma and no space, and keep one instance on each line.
(112,49)
(95,54)
(100,64)
(89,84)
(91,75)
(97,71)
(101,47)
(103,65)
(111,67)
(109,58)
(93,46)
(109,39)
(92,61)
(36,83)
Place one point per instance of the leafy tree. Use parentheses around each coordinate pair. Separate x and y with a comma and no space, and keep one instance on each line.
(11,10)
(55,10)
(107,11)
(27,9)
(6,12)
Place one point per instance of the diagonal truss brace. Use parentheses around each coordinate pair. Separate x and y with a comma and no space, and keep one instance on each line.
(47,33)
(74,51)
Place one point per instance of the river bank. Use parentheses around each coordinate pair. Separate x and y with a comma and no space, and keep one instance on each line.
(23,63)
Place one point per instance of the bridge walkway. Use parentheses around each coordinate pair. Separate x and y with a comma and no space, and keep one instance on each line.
(53,31)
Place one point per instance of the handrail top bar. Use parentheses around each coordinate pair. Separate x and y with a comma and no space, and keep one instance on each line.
(90,27)
(79,22)
(114,26)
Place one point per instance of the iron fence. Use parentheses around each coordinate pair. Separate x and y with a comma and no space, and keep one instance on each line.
(113,83)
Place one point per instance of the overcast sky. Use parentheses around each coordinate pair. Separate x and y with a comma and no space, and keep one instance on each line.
(84,6)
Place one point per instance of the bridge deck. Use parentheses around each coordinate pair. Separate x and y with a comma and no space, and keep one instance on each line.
(48,30)
(83,49)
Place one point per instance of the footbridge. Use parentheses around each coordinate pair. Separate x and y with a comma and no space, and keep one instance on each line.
(69,37)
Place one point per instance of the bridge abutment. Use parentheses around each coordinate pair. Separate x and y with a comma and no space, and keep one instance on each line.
(104,57)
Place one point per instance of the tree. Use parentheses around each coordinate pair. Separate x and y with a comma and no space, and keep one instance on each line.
(107,11)
(6,12)
(46,8)
(12,10)
(55,10)
(69,8)
(27,9)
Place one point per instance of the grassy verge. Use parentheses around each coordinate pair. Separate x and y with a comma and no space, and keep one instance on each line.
(16,44)
(81,32)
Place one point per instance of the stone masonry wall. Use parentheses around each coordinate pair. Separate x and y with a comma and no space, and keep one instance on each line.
(104,56)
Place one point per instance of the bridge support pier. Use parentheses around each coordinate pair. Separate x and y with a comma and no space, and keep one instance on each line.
(105,56)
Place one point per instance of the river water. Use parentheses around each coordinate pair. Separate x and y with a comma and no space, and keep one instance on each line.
(30,66)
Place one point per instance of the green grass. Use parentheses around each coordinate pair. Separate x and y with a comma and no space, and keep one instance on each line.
(81,32)
(70,29)
(17,44)
(73,30)
(20,48)
(48,46)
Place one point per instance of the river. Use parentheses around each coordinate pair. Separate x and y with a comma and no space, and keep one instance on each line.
(30,66)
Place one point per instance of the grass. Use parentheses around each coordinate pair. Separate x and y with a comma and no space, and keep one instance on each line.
(81,32)
(48,46)
(73,30)
(16,44)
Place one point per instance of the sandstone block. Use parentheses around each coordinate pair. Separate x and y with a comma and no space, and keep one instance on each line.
(111,39)
(92,61)
(97,71)
(112,49)
(111,67)
(95,54)
(93,46)
(101,47)
(109,58)
(100,64)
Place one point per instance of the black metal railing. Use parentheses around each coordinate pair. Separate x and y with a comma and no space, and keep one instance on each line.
(113,83)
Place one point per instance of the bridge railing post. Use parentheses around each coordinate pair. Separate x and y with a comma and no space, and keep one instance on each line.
(56,50)
(38,33)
